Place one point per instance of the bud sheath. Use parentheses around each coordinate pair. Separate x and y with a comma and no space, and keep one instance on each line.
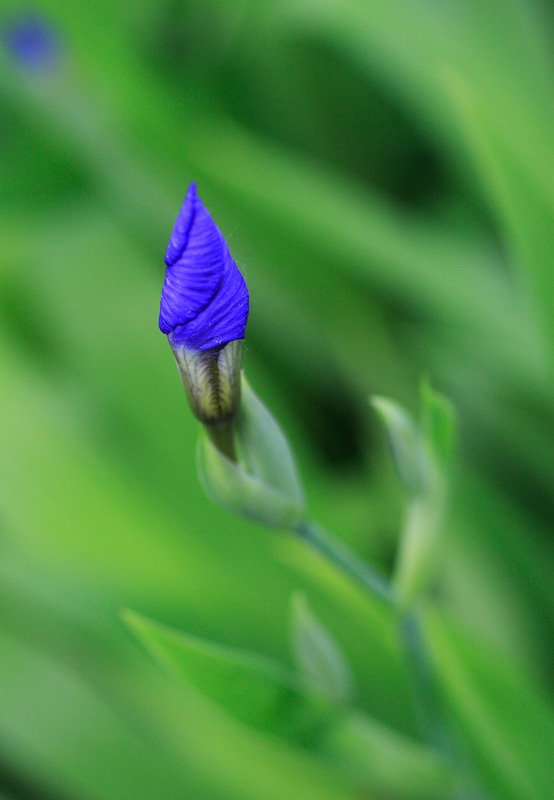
(212,380)
(203,311)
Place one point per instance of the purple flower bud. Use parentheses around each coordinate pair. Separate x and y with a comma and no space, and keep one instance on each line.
(203,311)
(32,41)
(204,298)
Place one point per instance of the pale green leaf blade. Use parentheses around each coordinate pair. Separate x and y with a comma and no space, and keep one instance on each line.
(506,723)
(438,425)
(250,687)
(386,761)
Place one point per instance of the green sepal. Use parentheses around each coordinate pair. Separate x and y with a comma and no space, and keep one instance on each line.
(264,449)
(262,484)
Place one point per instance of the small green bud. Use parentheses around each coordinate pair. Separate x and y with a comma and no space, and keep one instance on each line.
(262,483)
(422,455)
(322,664)
(403,439)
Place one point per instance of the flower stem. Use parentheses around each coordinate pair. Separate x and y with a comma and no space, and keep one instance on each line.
(345,560)
(434,729)
(423,684)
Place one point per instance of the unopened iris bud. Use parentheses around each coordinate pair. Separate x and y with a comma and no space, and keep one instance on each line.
(203,311)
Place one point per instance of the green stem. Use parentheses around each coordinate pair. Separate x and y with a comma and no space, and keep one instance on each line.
(424,691)
(345,560)
(434,729)
(432,725)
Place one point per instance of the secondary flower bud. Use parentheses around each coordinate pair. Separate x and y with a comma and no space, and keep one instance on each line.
(203,311)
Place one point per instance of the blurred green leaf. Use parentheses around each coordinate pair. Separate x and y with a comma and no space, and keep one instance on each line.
(264,694)
(57,729)
(438,426)
(392,764)
(252,688)
(507,724)
(422,455)
(421,547)
(515,182)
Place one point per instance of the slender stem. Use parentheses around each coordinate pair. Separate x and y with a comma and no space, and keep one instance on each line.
(424,691)
(434,729)
(345,560)
(432,724)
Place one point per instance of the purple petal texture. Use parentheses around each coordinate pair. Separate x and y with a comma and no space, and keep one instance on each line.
(204,298)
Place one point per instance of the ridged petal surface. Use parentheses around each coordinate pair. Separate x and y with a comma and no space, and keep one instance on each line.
(204,299)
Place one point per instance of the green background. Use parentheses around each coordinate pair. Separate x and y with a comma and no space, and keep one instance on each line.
(383,173)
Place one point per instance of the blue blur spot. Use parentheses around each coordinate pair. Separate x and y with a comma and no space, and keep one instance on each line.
(32,41)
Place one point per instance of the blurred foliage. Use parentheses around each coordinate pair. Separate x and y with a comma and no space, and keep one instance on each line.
(383,173)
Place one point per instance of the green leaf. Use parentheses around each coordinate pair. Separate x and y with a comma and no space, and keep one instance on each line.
(438,425)
(265,451)
(263,484)
(390,763)
(265,695)
(507,725)
(514,168)
(250,687)
(403,441)
(319,657)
